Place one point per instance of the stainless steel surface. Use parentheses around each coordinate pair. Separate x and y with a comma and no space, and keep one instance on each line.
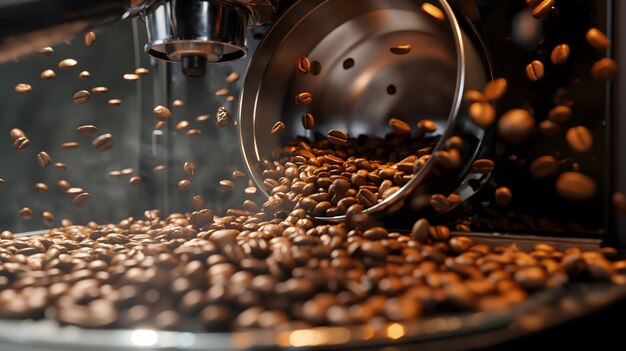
(203,31)
(444,61)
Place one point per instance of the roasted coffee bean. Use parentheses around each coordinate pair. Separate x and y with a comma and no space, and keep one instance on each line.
(460,244)
(439,233)
(503,196)
(399,126)
(483,166)
(103,143)
(136,180)
(401,49)
(303,65)
(433,11)
(579,139)
(226,185)
(46,51)
(482,113)
(182,125)
(48,217)
(43,159)
(184,184)
(86,129)
(41,187)
(90,38)
(21,143)
(542,9)
(560,54)
(427,125)
(67,63)
(114,102)
(222,117)
(81,97)
(338,137)
(70,145)
(2,181)
(84,75)
(560,114)
(304,98)
(23,88)
(515,126)
(81,200)
(278,128)
(308,121)
(99,90)
(16,133)
(618,199)
(495,89)
(535,70)
(190,169)
(26,213)
(605,69)
(162,113)
(575,186)
(47,74)
(474,96)
(131,77)
(597,39)
(544,167)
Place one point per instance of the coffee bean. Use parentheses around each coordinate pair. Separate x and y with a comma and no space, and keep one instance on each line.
(23,88)
(544,167)
(86,129)
(162,113)
(21,143)
(114,102)
(2,181)
(482,113)
(420,231)
(460,244)
(47,74)
(90,38)
(84,75)
(70,145)
(618,199)
(560,114)
(64,185)
(103,143)
(81,97)
(81,200)
(338,137)
(495,89)
(99,90)
(597,39)
(41,187)
(46,51)
(399,126)
(575,186)
(222,117)
(182,125)
(43,159)
(134,180)
(26,213)
(474,96)
(308,121)
(60,165)
(131,77)
(400,49)
(439,233)
(560,54)
(433,11)
(515,126)
(503,196)
(427,125)
(48,217)
(535,70)
(278,128)
(542,9)
(303,65)
(190,169)
(304,98)
(16,133)
(605,69)
(579,139)
(483,166)
(226,185)
(184,184)
(67,63)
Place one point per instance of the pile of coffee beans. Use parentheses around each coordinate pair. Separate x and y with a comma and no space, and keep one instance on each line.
(260,270)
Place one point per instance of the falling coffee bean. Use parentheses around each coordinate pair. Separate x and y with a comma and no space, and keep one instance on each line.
(90,38)
(433,11)
(495,89)
(184,184)
(604,70)
(134,180)
(142,71)
(233,77)
(535,70)
(222,117)
(21,143)
(560,114)
(114,102)
(544,167)
(99,90)
(67,63)
(84,75)
(515,126)
(308,121)
(503,196)
(103,143)
(190,169)
(400,49)
(81,97)
(43,159)
(575,186)
(86,129)
(399,126)
(81,200)
(338,137)
(303,65)
(482,113)
(579,139)
(542,9)
(560,54)
(597,39)
(70,145)
(131,77)
(47,74)
(26,213)
(278,128)
(23,88)
(162,113)
(304,98)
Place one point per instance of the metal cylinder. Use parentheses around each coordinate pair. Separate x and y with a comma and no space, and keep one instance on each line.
(447,58)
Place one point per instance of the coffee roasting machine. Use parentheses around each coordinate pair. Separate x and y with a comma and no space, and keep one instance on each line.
(192,46)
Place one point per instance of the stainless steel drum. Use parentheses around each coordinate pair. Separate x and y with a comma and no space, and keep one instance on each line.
(358,84)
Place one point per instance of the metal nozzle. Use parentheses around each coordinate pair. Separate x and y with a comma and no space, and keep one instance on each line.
(197,32)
